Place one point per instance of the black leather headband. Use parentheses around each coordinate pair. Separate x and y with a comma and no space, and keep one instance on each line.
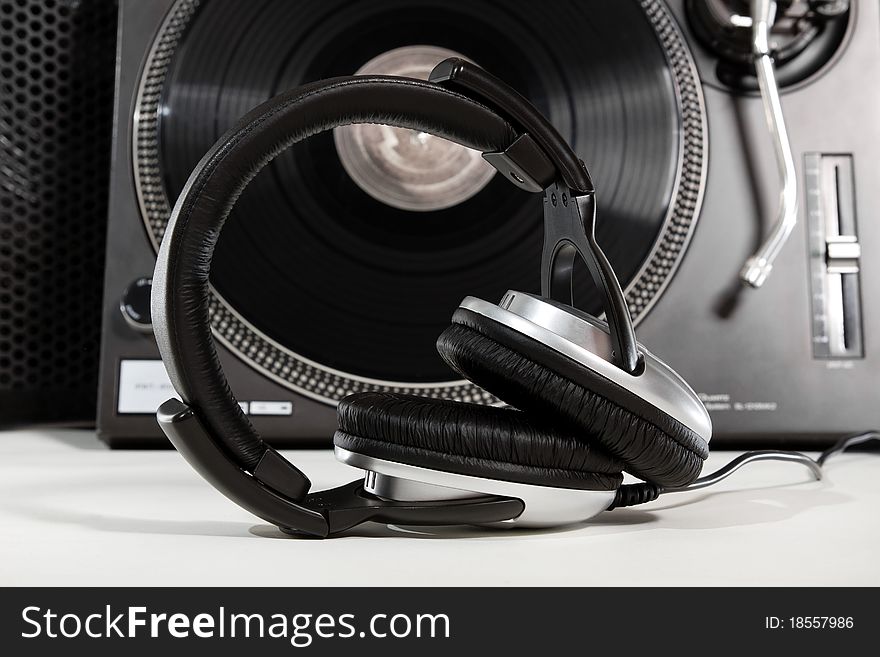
(180,284)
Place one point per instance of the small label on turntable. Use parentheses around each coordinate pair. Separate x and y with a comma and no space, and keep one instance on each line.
(143,387)
(271,408)
(724,402)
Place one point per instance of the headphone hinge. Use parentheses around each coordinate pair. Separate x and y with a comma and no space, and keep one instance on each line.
(569,232)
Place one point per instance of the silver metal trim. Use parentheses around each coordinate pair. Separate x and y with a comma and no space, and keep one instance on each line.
(689,187)
(835,256)
(586,341)
(145,329)
(843,253)
(545,506)
(759,266)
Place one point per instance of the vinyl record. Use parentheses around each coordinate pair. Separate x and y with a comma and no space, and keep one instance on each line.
(344,259)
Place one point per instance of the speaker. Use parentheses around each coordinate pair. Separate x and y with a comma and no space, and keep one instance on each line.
(57,63)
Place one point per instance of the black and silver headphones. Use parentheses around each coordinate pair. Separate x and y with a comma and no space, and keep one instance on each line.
(588,402)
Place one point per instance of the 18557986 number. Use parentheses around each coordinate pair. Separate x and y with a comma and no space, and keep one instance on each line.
(809,623)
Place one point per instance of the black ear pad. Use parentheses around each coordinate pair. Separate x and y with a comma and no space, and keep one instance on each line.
(536,379)
(468,439)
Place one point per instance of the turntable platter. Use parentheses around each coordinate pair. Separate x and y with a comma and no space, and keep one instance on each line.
(328,286)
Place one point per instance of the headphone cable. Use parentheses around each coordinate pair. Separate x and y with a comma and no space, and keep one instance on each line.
(641,493)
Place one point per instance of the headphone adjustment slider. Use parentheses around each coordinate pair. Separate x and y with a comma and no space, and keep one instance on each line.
(524,164)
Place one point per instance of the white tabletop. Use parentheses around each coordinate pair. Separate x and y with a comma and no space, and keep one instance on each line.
(73,512)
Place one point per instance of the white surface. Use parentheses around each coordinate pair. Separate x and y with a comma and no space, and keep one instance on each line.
(75,513)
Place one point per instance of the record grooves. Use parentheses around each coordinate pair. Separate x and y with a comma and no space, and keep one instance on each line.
(303,225)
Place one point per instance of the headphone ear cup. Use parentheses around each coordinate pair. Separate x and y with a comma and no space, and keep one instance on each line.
(526,374)
(468,439)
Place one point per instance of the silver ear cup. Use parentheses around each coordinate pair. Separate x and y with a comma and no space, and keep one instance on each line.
(582,339)
(586,341)
(545,506)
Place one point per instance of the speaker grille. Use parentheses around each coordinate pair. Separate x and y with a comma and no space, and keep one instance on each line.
(57,61)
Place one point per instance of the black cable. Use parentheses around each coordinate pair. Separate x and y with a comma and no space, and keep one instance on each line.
(846,442)
(634,494)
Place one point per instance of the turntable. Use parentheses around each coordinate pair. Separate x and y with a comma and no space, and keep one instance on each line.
(343,260)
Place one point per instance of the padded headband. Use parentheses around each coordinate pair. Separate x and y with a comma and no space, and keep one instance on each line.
(180,285)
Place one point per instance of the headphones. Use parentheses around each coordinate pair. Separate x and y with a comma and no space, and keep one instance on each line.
(588,401)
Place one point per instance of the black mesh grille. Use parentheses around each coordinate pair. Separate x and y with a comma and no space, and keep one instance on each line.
(56,102)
